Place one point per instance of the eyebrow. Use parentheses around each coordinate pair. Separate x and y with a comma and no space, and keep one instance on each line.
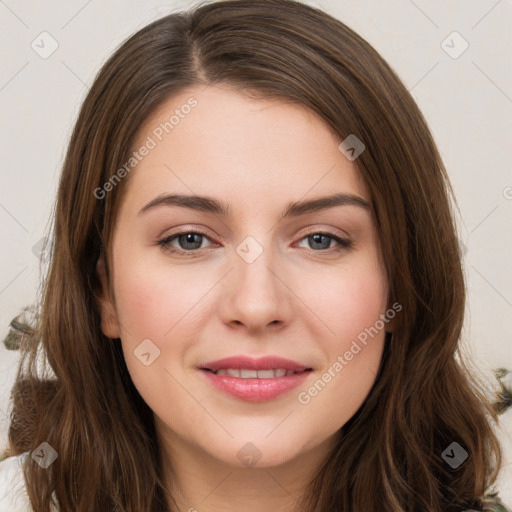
(210,205)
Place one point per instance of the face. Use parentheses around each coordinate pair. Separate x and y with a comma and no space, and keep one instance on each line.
(196,284)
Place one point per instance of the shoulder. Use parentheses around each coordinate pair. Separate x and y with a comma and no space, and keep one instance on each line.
(13,494)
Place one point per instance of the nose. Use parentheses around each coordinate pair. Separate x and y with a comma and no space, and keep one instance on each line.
(255,293)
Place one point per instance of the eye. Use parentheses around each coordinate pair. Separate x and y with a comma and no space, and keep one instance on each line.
(321,240)
(189,241)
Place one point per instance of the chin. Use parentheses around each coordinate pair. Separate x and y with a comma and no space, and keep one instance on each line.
(252,453)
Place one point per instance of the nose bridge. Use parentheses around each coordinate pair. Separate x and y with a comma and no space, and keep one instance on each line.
(256,293)
(254,264)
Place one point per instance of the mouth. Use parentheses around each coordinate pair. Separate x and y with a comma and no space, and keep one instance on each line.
(254,379)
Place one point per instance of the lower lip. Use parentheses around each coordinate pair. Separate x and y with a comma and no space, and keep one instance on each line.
(255,390)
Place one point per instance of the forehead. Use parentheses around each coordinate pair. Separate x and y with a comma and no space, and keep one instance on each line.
(217,141)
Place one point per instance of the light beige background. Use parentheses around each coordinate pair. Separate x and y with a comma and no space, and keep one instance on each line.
(466,99)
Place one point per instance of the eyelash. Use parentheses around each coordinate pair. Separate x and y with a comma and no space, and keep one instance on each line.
(344,244)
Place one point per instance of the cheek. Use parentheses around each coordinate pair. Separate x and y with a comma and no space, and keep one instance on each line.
(352,306)
(151,300)
(348,301)
(153,306)
(165,305)
(353,348)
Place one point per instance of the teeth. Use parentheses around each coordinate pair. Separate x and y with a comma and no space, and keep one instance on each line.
(255,374)
(265,374)
(248,374)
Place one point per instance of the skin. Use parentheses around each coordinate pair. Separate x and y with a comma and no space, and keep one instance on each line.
(299,300)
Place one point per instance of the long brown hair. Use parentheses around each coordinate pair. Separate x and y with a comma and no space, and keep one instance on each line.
(388,456)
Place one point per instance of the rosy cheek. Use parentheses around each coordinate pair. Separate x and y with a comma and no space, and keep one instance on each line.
(151,302)
(355,301)
(140,304)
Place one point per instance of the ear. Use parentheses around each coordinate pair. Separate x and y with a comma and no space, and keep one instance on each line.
(390,326)
(109,321)
(394,321)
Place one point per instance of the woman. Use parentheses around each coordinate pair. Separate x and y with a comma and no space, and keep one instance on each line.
(303,355)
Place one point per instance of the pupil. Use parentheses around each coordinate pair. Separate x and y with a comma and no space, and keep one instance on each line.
(189,238)
(318,238)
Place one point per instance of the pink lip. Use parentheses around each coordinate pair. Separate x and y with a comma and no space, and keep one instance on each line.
(255,390)
(252,363)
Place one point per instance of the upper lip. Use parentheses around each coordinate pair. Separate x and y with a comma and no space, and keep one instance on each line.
(255,363)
